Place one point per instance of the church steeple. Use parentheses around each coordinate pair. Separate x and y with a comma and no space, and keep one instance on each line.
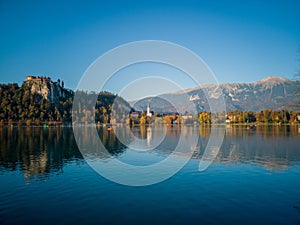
(148,111)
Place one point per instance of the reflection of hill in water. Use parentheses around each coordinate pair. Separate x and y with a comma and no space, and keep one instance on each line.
(39,152)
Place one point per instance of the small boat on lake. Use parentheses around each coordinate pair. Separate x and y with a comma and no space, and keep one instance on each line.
(251,127)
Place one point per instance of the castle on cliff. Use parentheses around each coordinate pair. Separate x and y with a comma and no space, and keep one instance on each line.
(37,78)
(44,79)
(45,87)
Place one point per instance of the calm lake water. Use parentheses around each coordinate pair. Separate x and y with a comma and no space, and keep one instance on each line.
(254,179)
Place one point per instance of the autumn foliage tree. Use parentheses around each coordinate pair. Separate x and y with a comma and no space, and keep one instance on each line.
(204,118)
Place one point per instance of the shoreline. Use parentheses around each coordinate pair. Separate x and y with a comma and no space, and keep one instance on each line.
(108,125)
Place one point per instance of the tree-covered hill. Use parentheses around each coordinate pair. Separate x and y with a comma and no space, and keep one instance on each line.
(25,105)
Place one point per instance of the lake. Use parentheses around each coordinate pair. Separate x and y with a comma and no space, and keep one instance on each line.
(253,179)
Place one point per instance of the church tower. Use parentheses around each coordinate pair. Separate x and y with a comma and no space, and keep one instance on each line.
(148,111)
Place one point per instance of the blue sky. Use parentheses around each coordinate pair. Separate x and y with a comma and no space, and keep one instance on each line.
(240,41)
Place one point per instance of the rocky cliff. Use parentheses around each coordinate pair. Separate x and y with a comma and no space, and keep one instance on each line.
(48,89)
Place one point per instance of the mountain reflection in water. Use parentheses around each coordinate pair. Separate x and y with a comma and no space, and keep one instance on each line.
(38,152)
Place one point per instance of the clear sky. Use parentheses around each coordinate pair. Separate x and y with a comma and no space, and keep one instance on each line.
(241,41)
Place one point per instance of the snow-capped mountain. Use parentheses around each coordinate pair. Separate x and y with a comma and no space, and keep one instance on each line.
(269,93)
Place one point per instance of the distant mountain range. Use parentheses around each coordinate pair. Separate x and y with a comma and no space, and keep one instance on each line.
(269,93)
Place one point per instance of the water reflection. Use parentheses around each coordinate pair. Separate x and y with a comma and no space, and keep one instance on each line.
(141,138)
(273,147)
(149,136)
(38,152)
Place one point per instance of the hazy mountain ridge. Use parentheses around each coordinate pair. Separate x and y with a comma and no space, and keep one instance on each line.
(269,93)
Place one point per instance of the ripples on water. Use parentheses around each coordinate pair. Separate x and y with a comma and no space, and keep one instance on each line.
(254,179)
